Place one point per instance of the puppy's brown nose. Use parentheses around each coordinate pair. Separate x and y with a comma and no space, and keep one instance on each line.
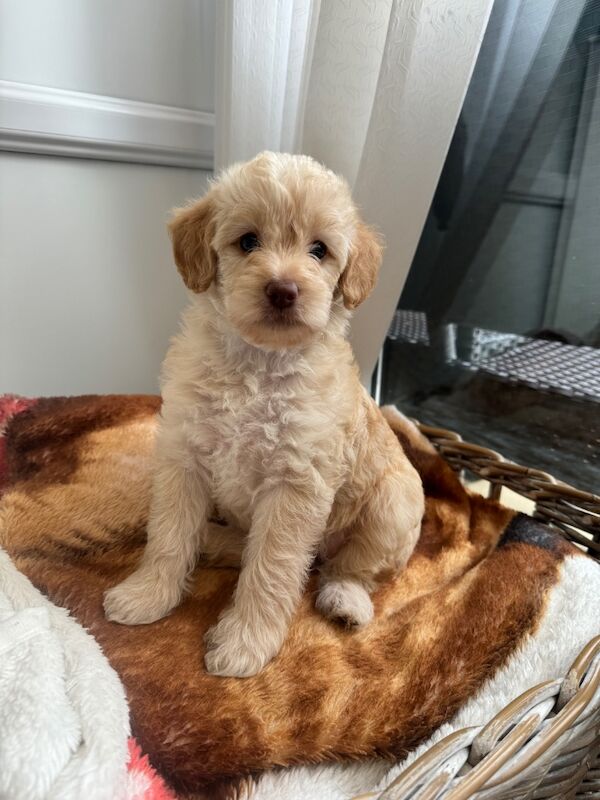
(281,294)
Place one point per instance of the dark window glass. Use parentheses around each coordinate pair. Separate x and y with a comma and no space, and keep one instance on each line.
(497,332)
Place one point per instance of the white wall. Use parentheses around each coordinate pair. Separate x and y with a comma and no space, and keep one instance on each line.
(159,51)
(89,295)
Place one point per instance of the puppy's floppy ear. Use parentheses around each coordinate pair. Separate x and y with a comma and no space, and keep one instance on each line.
(360,275)
(191,230)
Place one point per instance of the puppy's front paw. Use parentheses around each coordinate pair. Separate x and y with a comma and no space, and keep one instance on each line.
(232,651)
(139,600)
(345,601)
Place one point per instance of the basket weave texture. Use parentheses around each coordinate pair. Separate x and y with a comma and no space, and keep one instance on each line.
(546,743)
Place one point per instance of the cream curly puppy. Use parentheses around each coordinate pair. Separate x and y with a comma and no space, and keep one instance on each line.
(264,417)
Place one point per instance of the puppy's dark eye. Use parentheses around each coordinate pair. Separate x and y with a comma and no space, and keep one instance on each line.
(249,242)
(318,250)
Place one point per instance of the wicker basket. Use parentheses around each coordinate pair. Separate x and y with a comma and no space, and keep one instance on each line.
(546,743)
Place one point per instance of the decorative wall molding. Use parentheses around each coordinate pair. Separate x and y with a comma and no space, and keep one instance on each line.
(60,122)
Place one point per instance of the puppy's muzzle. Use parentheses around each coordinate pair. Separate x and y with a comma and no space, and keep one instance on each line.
(281,294)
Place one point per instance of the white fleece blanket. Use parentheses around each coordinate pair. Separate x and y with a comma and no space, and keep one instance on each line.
(64,721)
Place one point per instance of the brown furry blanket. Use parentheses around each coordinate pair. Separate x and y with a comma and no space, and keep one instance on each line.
(75,478)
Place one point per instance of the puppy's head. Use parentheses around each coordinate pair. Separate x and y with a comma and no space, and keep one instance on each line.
(278,244)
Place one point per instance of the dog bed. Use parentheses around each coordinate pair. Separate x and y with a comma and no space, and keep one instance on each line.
(76,480)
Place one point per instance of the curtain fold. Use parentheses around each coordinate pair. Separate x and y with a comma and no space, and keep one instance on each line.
(371,88)
(263,64)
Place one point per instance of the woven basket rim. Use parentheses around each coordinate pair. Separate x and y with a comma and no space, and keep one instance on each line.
(574,512)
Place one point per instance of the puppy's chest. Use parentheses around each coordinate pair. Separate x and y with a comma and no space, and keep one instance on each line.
(253,430)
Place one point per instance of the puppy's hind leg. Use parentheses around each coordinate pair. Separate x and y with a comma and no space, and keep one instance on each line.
(382,537)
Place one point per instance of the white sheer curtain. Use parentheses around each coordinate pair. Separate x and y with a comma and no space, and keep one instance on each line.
(264,54)
(372,88)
